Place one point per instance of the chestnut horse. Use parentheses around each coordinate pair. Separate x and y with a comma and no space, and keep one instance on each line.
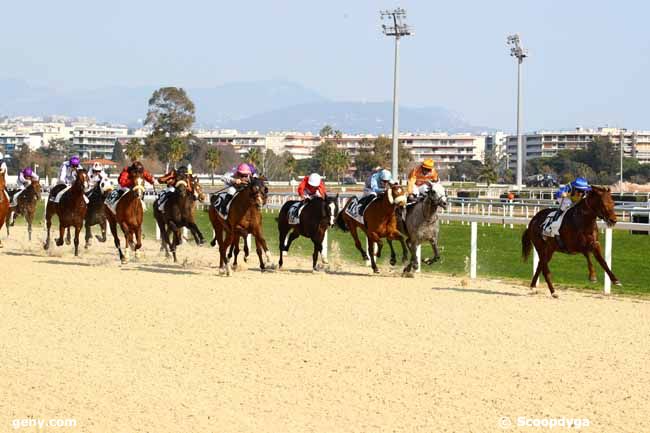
(128,214)
(71,209)
(179,212)
(4,202)
(380,221)
(26,206)
(315,218)
(578,235)
(244,217)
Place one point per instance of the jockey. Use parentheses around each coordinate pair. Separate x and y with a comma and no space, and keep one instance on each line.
(241,176)
(311,186)
(170,179)
(96,175)
(68,171)
(419,178)
(3,164)
(125,180)
(377,183)
(572,193)
(25,178)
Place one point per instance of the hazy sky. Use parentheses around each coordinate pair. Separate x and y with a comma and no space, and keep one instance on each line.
(589,60)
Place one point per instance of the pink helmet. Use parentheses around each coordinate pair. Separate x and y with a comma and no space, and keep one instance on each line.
(244,169)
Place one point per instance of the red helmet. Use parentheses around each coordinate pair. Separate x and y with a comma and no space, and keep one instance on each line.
(244,169)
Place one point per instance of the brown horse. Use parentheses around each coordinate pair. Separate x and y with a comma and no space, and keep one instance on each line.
(380,221)
(71,209)
(244,217)
(178,212)
(4,202)
(26,206)
(578,235)
(128,214)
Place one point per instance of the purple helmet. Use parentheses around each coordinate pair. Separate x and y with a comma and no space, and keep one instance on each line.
(74,161)
(27,172)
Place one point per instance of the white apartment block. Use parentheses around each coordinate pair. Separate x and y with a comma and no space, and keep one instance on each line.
(445,149)
(12,141)
(242,142)
(96,141)
(544,144)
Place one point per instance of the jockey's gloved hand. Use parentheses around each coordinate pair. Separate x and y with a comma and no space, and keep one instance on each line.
(411,197)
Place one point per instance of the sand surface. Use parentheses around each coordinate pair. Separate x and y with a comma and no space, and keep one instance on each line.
(157,347)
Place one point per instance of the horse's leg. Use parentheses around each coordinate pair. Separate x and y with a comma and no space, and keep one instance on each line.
(29,216)
(413,263)
(318,248)
(77,229)
(590,267)
(48,225)
(59,241)
(357,243)
(234,252)
(89,234)
(127,236)
(67,237)
(544,259)
(283,230)
(198,236)
(247,250)
(164,236)
(599,257)
(230,238)
(260,245)
(7,219)
(176,231)
(102,225)
(371,248)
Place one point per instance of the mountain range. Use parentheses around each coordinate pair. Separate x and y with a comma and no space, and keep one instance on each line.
(259,105)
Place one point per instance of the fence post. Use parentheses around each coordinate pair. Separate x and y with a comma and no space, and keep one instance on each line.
(323,252)
(157,232)
(418,256)
(249,239)
(472,254)
(535,263)
(608,259)
(510,212)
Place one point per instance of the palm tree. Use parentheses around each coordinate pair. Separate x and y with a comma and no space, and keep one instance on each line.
(291,163)
(177,149)
(253,156)
(134,149)
(213,158)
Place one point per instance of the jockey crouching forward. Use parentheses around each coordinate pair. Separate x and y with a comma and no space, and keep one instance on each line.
(311,186)
(67,175)
(3,172)
(126,176)
(419,178)
(25,178)
(170,179)
(376,184)
(96,175)
(567,196)
(235,181)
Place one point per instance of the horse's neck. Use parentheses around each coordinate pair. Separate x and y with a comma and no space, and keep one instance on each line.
(429,209)
(581,214)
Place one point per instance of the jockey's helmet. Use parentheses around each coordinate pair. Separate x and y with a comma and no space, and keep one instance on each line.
(27,172)
(137,165)
(244,169)
(97,167)
(581,184)
(181,171)
(74,161)
(385,176)
(314,180)
(427,164)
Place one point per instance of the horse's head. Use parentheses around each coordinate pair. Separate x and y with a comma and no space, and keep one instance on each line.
(82,178)
(37,187)
(258,192)
(198,190)
(437,194)
(181,186)
(331,209)
(396,195)
(600,201)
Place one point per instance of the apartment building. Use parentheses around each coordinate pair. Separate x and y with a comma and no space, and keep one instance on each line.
(445,149)
(96,141)
(241,142)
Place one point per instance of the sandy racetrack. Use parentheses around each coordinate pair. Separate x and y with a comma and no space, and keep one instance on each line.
(157,347)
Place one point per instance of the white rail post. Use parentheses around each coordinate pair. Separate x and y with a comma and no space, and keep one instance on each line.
(462,211)
(184,234)
(157,232)
(323,252)
(535,263)
(483,214)
(472,254)
(510,212)
(418,256)
(249,239)
(608,259)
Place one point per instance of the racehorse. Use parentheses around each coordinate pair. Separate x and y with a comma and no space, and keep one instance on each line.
(315,218)
(422,224)
(71,209)
(379,222)
(4,202)
(26,206)
(128,214)
(178,212)
(95,214)
(578,235)
(244,217)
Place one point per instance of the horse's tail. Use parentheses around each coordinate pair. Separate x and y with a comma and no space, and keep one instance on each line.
(341,222)
(526,244)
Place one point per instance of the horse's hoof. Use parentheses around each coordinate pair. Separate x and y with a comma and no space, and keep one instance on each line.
(59,242)
(593,279)
(235,267)
(408,275)
(392,261)
(532,291)
(618,283)
(67,242)
(213,243)
(376,271)
(555,295)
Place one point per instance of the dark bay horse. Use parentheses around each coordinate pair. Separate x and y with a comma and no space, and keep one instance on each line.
(379,222)
(71,209)
(316,217)
(26,206)
(178,212)
(129,215)
(578,235)
(4,202)
(244,217)
(95,214)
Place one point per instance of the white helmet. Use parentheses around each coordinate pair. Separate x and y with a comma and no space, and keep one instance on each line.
(97,167)
(314,180)
(385,175)
(106,185)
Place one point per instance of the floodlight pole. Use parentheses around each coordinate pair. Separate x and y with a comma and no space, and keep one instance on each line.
(520,54)
(397,29)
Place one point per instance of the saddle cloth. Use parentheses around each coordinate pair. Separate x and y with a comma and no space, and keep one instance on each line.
(221,202)
(57,198)
(294,213)
(114,197)
(163,196)
(14,197)
(552,223)
(358,206)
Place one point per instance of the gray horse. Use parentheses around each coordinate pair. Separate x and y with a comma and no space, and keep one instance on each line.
(422,224)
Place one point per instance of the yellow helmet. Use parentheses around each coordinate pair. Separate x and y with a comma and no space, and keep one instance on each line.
(428,163)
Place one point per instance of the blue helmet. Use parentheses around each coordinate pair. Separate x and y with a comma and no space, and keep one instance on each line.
(581,184)
(385,175)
